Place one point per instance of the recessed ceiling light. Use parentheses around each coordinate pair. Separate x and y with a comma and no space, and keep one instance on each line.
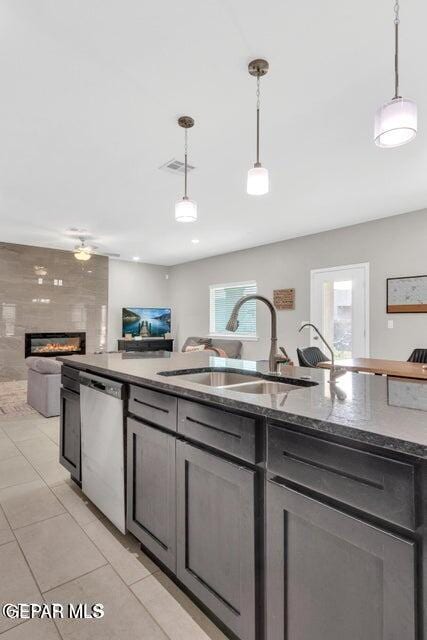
(195,240)
(136,258)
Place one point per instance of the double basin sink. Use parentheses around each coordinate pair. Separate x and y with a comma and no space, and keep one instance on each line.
(237,381)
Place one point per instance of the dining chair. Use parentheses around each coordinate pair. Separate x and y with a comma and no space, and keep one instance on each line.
(310,357)
(418,355)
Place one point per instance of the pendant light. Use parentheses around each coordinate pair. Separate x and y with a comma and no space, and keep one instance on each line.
(185,209)
(396,120)
(258,183)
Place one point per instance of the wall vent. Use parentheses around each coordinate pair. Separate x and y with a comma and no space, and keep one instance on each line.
(176,166)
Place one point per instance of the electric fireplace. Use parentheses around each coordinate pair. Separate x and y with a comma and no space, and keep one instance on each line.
(54,344)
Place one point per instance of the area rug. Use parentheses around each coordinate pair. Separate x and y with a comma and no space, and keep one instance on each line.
(13,399)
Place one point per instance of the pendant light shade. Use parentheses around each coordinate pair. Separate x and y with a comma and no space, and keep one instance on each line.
(396,123)
(185,209)
(396,120)
(258,182)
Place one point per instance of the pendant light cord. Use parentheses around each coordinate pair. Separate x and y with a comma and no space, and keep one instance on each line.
(396,49)
(185,161)
(258,103)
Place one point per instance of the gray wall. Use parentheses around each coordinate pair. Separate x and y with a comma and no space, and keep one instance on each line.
(394,246)
(133,284)
(26,305)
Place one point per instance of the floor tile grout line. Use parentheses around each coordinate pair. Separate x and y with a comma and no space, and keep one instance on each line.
(107,562)
(25,558)
(83,575)
(123,582)
(38,473)
(102,554)
(149,575)
(36,582)
(32,524)
(21,484)
(17,455)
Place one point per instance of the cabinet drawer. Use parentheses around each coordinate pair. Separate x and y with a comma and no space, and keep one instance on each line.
(371,483)
(158,408)
(70,378)
(219,429)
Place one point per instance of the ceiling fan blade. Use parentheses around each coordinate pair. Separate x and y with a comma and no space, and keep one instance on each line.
(108,254)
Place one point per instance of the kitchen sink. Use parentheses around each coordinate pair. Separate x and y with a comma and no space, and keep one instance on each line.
(264,387)
(241,382)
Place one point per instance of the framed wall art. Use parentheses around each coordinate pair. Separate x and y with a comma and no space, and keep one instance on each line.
(407,294)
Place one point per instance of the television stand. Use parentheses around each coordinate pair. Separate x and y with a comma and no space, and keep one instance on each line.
(146,344)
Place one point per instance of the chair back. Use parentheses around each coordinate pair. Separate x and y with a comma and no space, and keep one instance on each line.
(310,357)
(418,355)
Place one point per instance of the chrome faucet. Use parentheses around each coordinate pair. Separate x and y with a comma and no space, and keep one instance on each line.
(335,371)
(275,358)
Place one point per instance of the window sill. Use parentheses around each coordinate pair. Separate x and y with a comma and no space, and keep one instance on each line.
(227,336)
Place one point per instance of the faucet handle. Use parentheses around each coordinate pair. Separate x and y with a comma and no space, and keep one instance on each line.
(283,350)
(286,358)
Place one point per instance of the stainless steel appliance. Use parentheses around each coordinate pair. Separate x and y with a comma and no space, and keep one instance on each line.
(102,443)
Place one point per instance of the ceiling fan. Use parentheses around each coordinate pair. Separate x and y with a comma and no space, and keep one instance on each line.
(83,251)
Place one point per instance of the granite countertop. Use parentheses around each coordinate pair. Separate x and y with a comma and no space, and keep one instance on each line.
(387,412)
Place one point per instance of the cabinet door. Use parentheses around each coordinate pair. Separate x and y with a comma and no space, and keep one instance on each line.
(331,576)
(151,490)
(216,532)
(69,433)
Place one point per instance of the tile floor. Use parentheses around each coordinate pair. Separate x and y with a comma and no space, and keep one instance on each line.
(55,546)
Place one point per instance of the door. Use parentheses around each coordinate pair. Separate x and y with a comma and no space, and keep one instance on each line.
(216,536)
(340,309)
(151,490)
(331,576)
(69,433)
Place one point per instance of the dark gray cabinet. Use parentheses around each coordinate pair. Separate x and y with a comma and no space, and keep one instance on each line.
(331,576)
(69,433)
(147,344)
(151,489)
(216,535)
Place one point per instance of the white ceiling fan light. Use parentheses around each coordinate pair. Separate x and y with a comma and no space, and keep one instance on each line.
(258,183)
(396,121)
(82,251)
(186,209)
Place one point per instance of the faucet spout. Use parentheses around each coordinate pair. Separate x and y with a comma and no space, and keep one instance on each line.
(335,371)
(232,325)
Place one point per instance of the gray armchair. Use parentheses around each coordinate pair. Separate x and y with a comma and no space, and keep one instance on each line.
(233,348)
(44,384)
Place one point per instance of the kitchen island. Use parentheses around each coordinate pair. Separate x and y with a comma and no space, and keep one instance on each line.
(298,515)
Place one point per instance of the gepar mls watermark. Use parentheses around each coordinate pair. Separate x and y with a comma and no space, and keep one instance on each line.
(52,611)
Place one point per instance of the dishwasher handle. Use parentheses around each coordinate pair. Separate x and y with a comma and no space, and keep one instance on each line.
(103,385)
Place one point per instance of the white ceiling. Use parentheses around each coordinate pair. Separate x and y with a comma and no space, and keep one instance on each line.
(90,93)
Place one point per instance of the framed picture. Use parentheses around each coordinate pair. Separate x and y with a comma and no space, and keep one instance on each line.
(407,295)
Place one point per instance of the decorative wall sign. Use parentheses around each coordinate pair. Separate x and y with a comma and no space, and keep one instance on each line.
(407,295)
(284,298)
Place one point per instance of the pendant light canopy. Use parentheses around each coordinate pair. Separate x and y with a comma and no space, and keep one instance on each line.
(258,182)
(185,209)
(396,120)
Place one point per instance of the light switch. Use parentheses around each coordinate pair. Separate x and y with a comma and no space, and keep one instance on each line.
(390,324)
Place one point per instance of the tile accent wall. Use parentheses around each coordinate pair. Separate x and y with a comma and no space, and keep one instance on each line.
(48,290)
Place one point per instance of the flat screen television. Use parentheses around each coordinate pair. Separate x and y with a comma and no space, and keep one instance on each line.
(146,322)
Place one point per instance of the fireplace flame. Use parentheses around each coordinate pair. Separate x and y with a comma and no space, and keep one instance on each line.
(55,346)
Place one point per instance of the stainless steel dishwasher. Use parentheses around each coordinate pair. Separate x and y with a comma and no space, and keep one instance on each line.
(102,442)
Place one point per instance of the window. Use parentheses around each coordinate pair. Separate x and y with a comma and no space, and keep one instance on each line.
(223,297)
